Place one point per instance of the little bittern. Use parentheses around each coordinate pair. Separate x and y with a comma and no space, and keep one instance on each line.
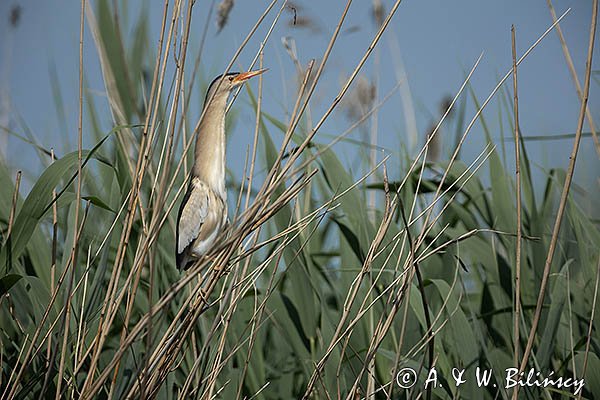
(203,212)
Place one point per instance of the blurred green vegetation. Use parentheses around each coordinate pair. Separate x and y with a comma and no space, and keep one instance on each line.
(275,313)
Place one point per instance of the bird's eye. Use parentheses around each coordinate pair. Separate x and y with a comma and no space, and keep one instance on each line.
(231,79)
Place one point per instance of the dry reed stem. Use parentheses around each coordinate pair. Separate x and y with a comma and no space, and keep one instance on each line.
(219,362)
(141,164)
(79,343)
(282,248)
(277,253)
(436,129)
(193,77)
(75,249)
(565,191)
(114,97)
(12,372)
(171,121)
(217,365)
(485,153)
(590,325)
(369,361)
(472,123)
(573,72)
(30,353)
(407,304)
(142,250)
(260,50)
(377,240)
(255,139)
(517,310)
(67,307)
(429,330)
(418,347)
(354,288)
(46,312)
(349,81)
(234,58)
(268,185)
(423,257)
(234,300)
(463,236)
(160,363)
(369,301)
(256,319)
(437,322)
(122,55)
(199,307)
(414,263)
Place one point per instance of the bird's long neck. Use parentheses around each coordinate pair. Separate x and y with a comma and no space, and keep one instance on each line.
(209,162)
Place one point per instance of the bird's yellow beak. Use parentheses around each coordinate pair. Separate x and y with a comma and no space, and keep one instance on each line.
(244,76)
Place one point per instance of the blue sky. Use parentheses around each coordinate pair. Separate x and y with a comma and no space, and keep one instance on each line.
(437,40)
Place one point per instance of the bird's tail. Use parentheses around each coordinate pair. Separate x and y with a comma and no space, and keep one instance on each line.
(184,260)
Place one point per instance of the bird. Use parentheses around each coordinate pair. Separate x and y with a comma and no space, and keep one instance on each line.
(203,211)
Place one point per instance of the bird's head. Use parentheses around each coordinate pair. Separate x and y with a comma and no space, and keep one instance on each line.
(222,85)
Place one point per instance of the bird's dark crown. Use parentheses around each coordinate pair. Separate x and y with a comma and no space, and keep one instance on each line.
(216,81)
(218,78)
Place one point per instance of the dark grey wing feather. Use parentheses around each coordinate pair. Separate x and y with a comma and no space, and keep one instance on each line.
(180,256)
(192,214)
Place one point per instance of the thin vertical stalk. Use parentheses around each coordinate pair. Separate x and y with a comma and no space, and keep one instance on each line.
(179,84)
(590,325)
(565,192)
(49,353)
(255,141)
(142,161)
(371,210)
(421,286)
(571,66)
(188,97)
(67,307)
(460,143)
(517,310)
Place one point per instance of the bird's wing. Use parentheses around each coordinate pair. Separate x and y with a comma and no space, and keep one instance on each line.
(192,214)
